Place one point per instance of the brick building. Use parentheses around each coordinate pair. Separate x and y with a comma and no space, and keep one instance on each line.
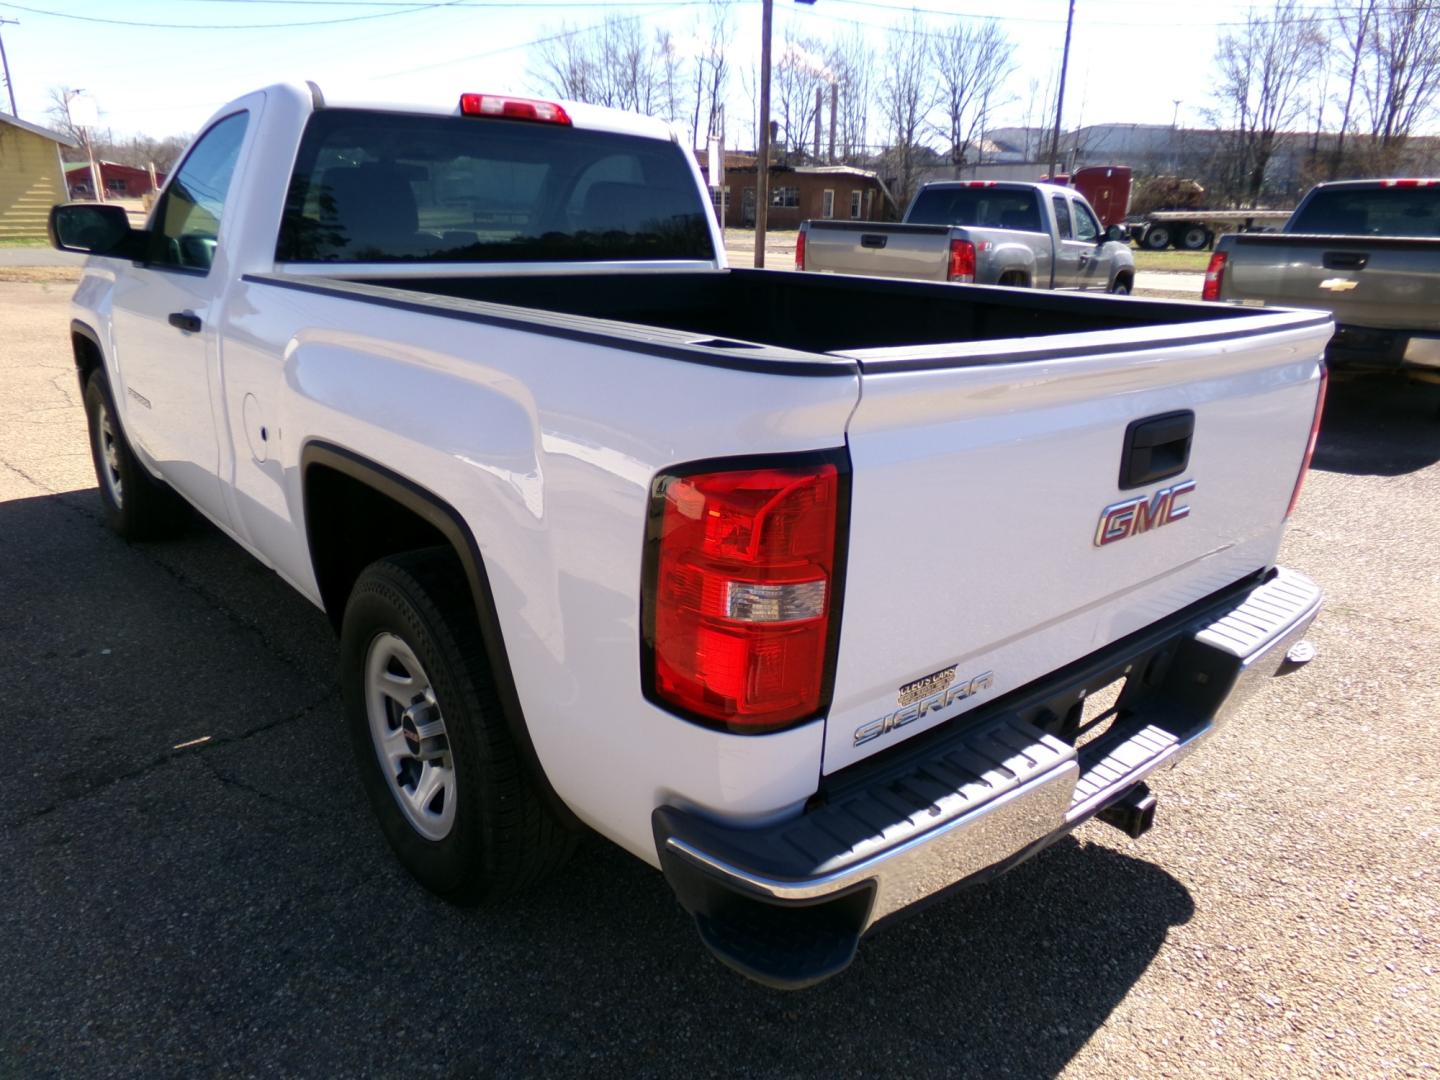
(800,192)
(121,181)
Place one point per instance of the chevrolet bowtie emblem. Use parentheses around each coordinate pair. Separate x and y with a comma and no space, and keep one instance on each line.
(1338,284)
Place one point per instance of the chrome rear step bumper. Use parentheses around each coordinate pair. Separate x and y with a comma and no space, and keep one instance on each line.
(787,904)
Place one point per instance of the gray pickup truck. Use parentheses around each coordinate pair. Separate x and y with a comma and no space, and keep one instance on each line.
(1368,252)
(983,231)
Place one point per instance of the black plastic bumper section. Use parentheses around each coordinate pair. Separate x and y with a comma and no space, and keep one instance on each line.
(786,904)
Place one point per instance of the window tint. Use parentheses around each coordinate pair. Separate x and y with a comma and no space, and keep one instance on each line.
(390,187)
(1062,216)
(188,220)
(1375,212)
(995,208)
(1086,227)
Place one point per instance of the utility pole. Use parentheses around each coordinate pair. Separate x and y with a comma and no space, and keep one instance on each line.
(834,104)
(819,99)
(85,138)
(5,62)
(762,152)
(1060,96)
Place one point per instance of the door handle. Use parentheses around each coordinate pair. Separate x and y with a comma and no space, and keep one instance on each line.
(873,240)
(1345,260)
(1156,448)
(185,320)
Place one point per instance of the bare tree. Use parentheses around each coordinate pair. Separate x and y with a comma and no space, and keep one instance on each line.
(851,61)
(1353,22)
(800,69)
(58,112)
(613,64)
(564,64)
(1039,116)
(712,68)
(906,84)
(972,61)
(1404,77)
(1263,71)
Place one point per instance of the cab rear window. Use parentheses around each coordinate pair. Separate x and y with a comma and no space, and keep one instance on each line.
(1393,211)
(394,187)
(995,208)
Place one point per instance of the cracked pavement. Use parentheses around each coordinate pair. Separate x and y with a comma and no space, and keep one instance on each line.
(192,882)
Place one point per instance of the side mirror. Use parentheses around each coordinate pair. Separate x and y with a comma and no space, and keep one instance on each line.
(94,229)
(1117,234)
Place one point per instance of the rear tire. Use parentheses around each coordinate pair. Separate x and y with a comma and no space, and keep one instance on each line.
(136,505)
(443,776)
(1121,286)
(1193,238)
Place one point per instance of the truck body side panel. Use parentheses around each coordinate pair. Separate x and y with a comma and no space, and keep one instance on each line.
(547,450)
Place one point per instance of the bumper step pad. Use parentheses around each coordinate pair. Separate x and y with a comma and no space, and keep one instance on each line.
(787,903)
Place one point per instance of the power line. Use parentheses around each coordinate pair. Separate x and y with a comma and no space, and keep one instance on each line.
(528,44)
(5,61)
(226,26)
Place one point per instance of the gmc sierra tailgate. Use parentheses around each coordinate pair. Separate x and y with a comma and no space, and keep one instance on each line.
(878,249)
(1387,283)
(994,536)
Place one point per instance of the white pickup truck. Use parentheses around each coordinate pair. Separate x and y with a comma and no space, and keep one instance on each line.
(797,587)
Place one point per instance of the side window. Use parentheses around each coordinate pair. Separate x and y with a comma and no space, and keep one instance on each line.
(1086,227)
(1062,216)
(855,203)
(188,219)
(827,204)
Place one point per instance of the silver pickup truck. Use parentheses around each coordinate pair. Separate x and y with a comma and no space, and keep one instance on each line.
(983,231)
(1367,252)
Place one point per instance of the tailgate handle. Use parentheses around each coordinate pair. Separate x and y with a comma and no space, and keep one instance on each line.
(873,240)
(1156,448)
(1345,260)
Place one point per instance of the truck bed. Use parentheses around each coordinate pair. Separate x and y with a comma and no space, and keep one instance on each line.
(740,314)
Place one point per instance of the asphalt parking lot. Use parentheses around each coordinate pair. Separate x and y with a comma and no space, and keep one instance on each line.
(192,882)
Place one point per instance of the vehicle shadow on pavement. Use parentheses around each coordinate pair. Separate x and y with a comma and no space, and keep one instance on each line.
(172,906)
(1379,426)
(1008,978)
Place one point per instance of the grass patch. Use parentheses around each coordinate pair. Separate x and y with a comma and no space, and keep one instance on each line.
(25,242)
(39,275)
(1193,261)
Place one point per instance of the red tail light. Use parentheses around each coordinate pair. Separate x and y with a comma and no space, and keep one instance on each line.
(800,250)
(512,108)
(962,261)
(1214,275)
(740,582)
(1314,435)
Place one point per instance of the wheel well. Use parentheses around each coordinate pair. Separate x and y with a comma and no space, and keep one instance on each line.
(356,512)
(350,524)
(87,356)
(1127,276)
(1017,278)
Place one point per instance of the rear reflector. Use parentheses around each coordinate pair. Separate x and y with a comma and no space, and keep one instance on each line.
(512,108)
(962,261)
(1314,435)
(1214,276)
(740,580)
(800,250)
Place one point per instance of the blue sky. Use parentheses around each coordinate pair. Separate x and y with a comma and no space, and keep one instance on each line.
(1130,59)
